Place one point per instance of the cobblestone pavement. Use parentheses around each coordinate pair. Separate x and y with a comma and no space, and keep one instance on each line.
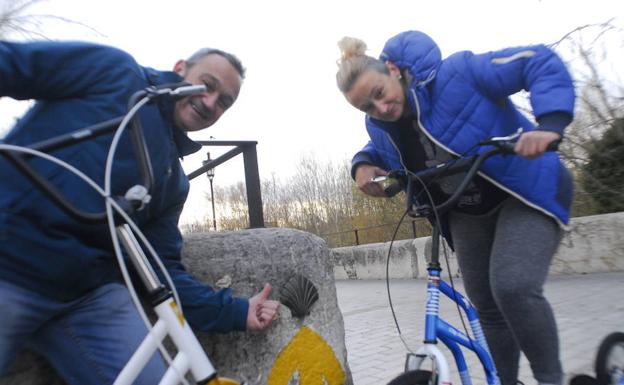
(587,308)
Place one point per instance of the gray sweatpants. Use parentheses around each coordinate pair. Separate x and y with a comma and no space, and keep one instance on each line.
(504,257)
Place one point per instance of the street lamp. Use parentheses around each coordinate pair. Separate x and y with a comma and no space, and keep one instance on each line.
(210,173)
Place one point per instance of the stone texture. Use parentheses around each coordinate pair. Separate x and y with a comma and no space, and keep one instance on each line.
(591,244)
(245,260)
(250,258)
(369,261)
(408,259)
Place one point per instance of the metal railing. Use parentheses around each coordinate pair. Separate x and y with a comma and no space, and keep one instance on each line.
(252,176)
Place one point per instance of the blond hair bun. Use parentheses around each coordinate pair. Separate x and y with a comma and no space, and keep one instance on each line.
(351,47)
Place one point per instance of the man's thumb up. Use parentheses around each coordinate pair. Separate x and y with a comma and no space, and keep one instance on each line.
(262,311)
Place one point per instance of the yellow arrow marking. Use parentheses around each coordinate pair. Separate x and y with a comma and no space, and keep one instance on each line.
(308,354)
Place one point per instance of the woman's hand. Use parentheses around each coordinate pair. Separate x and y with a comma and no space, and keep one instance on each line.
(364,175)
(533,144)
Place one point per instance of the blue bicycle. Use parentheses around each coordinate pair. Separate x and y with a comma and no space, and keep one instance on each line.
(428,365)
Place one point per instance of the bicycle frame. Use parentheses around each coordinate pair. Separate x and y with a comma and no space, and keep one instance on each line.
(170,322)
(437,328)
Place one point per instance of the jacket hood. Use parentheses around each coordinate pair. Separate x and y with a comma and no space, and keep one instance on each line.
(415,52)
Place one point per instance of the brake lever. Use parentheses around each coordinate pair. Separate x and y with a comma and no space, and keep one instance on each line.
(510,138)
(392,184)
(507,143)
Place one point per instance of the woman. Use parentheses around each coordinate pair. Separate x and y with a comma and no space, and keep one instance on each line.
(422,110)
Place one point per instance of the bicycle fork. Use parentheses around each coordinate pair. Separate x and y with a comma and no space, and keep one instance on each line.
(191,355)
(437,329)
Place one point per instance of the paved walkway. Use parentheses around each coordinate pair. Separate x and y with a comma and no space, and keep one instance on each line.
(587,308)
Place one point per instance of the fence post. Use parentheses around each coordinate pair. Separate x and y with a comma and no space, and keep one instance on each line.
(414,227)
(252,182)
(252,177)
(357,239)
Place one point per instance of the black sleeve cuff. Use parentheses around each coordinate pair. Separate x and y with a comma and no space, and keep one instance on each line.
(554,121)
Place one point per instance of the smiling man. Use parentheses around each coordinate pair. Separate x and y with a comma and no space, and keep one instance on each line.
(60,288)
(214,69)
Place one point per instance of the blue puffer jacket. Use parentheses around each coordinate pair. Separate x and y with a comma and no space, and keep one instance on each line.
(41,248)
(464,98)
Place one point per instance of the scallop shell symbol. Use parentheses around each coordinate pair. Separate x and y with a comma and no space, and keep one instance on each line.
(299,294)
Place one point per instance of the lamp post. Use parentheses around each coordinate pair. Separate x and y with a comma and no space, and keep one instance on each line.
(210,173)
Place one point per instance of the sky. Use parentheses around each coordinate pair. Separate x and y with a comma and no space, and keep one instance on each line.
(289,102)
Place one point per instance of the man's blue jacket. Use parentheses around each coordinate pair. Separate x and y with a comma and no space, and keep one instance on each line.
(464,99)
(76,85)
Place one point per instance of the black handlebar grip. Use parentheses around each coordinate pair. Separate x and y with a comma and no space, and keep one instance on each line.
(554,145)
(393,189)
(508,147)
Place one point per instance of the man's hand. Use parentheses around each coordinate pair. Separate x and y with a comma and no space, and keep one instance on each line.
(364,175)
(533,144)
(262,311)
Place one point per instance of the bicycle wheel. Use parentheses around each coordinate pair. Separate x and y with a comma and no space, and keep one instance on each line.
(610,356)
(584,379)
(414,377)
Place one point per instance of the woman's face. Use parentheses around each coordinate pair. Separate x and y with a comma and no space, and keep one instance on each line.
(380,95)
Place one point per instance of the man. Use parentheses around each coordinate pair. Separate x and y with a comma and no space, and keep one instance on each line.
(60,292)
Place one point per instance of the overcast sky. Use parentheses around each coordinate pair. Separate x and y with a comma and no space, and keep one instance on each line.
(289,102)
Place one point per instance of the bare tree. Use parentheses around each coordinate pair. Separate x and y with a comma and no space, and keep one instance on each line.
(320,198)
(16,21)
(593,55)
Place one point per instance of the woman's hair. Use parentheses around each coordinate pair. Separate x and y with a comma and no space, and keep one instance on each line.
(353,62)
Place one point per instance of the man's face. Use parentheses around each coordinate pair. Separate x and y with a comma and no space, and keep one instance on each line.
(222,83)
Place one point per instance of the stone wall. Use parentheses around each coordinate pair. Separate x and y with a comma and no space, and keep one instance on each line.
(591,244)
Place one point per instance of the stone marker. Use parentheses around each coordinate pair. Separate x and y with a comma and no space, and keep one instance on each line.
(293,347)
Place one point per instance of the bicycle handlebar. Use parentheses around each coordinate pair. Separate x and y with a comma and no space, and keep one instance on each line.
(470,165)
(174,91)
